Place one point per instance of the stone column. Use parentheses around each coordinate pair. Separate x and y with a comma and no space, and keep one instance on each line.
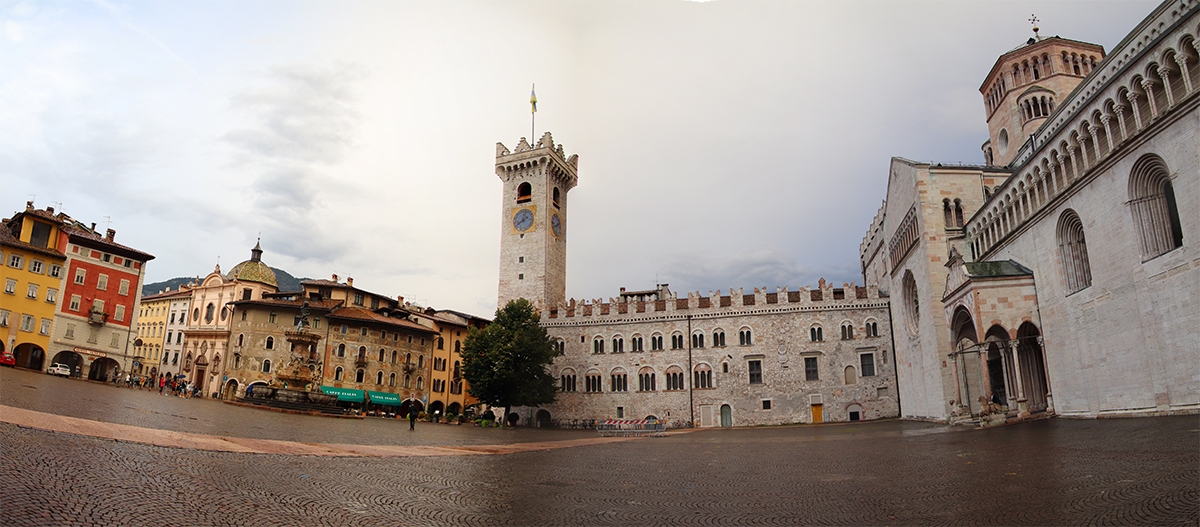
(1165,75)
(1095,145)
(1022,402)
(1104,120)
(1148,85)
(1071,150)
(1181,60)
(1040,343)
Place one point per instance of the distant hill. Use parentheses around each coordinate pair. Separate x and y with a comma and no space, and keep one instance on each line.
(287,282)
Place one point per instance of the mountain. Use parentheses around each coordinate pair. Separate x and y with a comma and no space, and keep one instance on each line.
(287,282)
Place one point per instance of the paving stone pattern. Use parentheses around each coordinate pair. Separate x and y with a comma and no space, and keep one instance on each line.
(1052,472)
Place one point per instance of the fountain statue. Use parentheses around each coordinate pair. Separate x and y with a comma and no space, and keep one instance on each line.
(299,381)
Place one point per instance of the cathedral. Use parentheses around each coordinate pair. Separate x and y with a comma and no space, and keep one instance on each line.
(1061,275)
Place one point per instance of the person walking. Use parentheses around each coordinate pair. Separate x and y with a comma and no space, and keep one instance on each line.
(412,419)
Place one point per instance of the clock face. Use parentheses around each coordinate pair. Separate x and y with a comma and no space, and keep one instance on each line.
(523,220)
(556,224)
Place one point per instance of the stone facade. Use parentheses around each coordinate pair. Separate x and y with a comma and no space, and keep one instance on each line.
(1071,287)
(739,359)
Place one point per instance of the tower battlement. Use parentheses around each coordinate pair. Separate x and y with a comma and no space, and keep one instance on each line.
(545,156)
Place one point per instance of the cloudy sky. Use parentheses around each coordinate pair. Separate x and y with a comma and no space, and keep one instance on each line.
(722,144)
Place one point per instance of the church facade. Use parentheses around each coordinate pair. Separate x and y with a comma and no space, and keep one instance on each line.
(1061,276)
(736,359)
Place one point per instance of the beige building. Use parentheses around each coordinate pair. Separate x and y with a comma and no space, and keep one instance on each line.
(1071,288)
(154,318)
(448,391)
(206,337)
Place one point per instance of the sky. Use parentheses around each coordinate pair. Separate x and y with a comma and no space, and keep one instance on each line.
(722,144)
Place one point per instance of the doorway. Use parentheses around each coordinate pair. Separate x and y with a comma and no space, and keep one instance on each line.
(818,414)
(726,416)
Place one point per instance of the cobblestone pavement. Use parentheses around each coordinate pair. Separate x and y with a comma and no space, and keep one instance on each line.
(1051,472)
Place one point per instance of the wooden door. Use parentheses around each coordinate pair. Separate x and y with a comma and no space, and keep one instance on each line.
(817,414)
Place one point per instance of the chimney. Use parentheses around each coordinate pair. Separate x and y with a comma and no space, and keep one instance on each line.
(350,281)
(400,299)
(334,277)
(29,205)
(93,226)
(108,236)
(50,210)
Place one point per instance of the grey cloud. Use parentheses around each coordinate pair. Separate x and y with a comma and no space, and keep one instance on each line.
(764,267)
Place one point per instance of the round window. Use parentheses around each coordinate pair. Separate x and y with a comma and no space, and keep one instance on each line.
(912,302)
(1003,141)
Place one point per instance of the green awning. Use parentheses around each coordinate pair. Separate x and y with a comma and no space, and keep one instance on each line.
(389,399)
(348,395)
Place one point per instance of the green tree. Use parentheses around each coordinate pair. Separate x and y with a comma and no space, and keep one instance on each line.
(506,362)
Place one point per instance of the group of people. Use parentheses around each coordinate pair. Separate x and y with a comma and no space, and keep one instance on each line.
(166,383)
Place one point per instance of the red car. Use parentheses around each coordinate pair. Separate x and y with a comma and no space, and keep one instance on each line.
(7,359)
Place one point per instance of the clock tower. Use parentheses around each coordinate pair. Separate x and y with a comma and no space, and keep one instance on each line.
(533,227)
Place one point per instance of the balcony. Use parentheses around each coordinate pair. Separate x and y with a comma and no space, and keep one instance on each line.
(97,318)
(360,361)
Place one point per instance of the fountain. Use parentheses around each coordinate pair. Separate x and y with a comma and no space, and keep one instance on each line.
(297,385)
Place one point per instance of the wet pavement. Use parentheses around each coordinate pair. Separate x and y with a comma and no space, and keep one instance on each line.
(1050,472)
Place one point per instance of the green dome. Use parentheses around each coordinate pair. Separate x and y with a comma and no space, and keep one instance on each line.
(253,270)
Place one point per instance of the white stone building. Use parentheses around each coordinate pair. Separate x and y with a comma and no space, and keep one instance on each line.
(1071,288)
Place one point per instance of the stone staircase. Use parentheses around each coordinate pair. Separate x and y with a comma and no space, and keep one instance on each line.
(292,407)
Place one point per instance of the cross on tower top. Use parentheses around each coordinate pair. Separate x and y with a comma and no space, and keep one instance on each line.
(1033,19)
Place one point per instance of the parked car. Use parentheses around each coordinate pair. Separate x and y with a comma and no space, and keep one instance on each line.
(59,369)
(7,359)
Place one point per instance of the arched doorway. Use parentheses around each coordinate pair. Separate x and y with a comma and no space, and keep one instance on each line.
(437,408)
(1033,368)
(71,359)
(542,419)
(229,392)
(103,369)
(968,363)
(726,416)
(854,411)
(454,408)
(30,356)
(410,405)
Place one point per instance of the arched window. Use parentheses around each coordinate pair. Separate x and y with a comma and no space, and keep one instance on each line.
(524,192)
(266,366)
(958,213)
(698,340)
(702,376)
(392,379)
(270,343)
(674,378)
(208,313)
(457,369)
(441,343)
(847,331)
(379,377)
(677,341)
(393,356)
(618,345)
(592,382)
(408,358)
(241,340)
(1072,250)
(381,354)
(556,194)
(341,350)
(457,346)
(719,338)
(646,380)
(851,377)
(815,334)
(360,375)
(1152,202)
(618,380)
(947,213)
(337,373)
(567,380)
(744,338)
(407,381)
(912,301)
(636,343)
(420,361)
(598,345)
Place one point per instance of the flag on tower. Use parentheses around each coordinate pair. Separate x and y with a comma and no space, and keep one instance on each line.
(533,99)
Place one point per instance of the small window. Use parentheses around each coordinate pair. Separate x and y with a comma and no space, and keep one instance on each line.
(847,331)
(341,350)
(744,338)
(81,276)
(360,375)
(867,362)
(766,404)
(698,340)
(815,334)
(266,366)
(102,282)
(524,192)
(718,339)
(270,343)
(337,373)
(272,316)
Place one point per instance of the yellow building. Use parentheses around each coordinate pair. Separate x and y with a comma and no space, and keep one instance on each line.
(32,276)
(153,313)
(448,391)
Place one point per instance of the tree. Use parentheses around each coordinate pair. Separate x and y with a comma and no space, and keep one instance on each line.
(506,362)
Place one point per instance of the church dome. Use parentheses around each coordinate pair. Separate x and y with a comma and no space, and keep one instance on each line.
(253,270)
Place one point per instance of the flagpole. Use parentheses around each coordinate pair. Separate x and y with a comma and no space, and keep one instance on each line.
(532,114)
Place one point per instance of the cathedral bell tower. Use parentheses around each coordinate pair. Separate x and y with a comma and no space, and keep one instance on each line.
(1026,84)
(533,228)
